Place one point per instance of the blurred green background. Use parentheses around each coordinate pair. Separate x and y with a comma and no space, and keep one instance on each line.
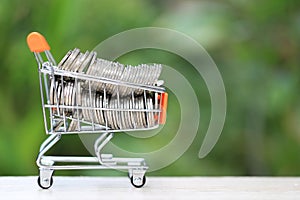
(255,45)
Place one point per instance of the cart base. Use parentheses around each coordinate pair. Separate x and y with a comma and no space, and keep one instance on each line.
(136,167)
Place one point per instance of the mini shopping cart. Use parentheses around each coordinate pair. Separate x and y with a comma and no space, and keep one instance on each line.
(79,97)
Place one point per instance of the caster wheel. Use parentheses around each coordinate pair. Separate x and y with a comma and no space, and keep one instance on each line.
(45,187)
(136,182)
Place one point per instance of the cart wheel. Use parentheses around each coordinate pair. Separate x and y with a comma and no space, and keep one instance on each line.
(45,187)
(138,182)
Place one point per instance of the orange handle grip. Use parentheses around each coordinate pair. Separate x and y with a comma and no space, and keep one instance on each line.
(37,42)
(164,105)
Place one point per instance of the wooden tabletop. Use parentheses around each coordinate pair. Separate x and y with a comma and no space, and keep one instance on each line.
(85,188)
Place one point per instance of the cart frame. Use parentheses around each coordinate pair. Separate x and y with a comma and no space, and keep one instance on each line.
(48,71)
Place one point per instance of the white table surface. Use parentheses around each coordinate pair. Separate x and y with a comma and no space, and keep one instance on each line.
(84,188)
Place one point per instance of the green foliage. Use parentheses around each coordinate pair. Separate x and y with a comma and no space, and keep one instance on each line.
(255,45)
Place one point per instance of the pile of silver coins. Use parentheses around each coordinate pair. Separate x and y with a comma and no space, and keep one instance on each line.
(112,105)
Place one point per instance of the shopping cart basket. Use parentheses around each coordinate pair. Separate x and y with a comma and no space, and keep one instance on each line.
(87,95)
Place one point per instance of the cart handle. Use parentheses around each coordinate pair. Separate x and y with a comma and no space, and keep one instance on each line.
(37,42)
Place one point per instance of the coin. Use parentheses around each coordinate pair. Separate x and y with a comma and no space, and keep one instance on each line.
(62,62)
(83,100)
(71,59)
(128,114)
(65,99)
(102,120)
(106,112)
(52,89)
(132,114)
